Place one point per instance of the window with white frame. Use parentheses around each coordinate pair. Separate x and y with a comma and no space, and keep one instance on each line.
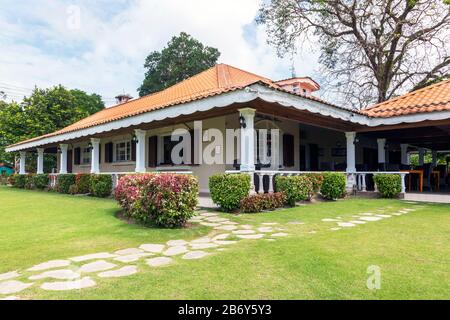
(122,151)
(85,155)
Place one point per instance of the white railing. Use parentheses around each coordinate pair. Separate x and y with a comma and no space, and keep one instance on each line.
(355,180)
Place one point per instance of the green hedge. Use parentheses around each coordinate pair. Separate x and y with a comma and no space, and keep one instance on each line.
(64,181)
(83,182)
(333,185)
(388,185)
(40,181)
(263,201)
(228,190)
(295,188)
(316,179)
(101,185)
(18,180)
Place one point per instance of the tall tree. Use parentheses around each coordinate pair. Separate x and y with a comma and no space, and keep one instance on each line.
(183,57)
(371,50)
(44,111)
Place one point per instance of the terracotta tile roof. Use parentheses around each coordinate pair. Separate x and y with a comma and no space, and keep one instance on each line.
(216,80)
(429,99)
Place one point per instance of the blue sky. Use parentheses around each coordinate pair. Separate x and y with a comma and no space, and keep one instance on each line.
(100,46)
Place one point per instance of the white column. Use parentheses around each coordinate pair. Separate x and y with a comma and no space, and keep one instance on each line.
(140,150)
(351,157)
(404,151)
(247,140)
(23,155)
(40,161)
(381,150)
(63,162)
(95,155)
(421,156)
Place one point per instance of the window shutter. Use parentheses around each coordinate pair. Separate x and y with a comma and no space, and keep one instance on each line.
(77,156)
(288,150)
(109,152)
(100,153)
(152,151)
(133,150)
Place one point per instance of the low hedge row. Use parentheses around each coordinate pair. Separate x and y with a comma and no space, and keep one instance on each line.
(388,185)
(228,190)
(98,185)
(167,200)
(333,186)
(296,188)
(263,201)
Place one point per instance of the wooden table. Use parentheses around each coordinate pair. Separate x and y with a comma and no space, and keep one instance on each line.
(419,173)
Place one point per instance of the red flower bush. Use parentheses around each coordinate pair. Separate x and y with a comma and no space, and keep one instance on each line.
(166,200)
(260,202)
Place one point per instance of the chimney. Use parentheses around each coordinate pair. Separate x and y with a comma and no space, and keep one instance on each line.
(299,85)
(122,98)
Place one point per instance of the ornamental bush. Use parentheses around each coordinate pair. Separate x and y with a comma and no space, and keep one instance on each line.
(295,188)
(167,200)
(18,180)
(64,181)
(388,185)
(316,179)
(40,181)
(263,201)
(333,185)
(83,182)
(228,190)
(100,185)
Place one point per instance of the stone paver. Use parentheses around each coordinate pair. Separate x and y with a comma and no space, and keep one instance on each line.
(230,222)
(225,242)
(221,236)
(216,219)
(296,222)
(175,250)
(9,275)
(159,261)
(85,282)
(96,266)
(129,251)
(370,218)
(153,248)
(226,227)
(174,243)
(100,255)
(246,226)
(279,234)
(203,245)
(383,215)
(122,272)
(358,222)
(330,220)
(201,240)
(250,236)
(346,224)
(50,265)
(13,286)
(269,223)
(132,257)
(60,274)
(209,214)
(335,229)
(245,231)
(195,255)
(265,229)
(210,224)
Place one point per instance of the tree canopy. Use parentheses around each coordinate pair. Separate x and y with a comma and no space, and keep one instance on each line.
(44,111)
(183,57)
(371,50)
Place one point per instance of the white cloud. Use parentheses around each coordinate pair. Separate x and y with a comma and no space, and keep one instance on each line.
(106,54)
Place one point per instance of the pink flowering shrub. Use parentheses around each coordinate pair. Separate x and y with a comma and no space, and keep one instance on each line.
(166,200)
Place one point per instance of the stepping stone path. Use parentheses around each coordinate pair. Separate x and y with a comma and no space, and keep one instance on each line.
(122,272)
(9,275)
(176,250)
(160,261)
(358,222)
(85,282)
(194,255)
(154,248)
(335,229)
(60,275)
(346,224)
(371,218)
(13,286)
(330,220)
(50,265)
(96,266)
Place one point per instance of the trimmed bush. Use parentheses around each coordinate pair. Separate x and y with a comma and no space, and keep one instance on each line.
(228,190)
(18,180)
(316,179)
(40,181)
(73,189)
(167,200)
(64,181)
(263,201)
(295,188)
(333,185)
(388,185)
(83,182)
(101,185)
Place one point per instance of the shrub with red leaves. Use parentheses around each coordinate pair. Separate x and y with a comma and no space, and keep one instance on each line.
(263,201)
(166,200)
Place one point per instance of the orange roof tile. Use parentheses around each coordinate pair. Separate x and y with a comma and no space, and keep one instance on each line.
(429,99)
(216,80)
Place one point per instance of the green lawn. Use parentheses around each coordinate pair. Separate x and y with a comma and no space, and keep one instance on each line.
(412,251)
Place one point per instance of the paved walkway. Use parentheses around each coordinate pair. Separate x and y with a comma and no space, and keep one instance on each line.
(428,197)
